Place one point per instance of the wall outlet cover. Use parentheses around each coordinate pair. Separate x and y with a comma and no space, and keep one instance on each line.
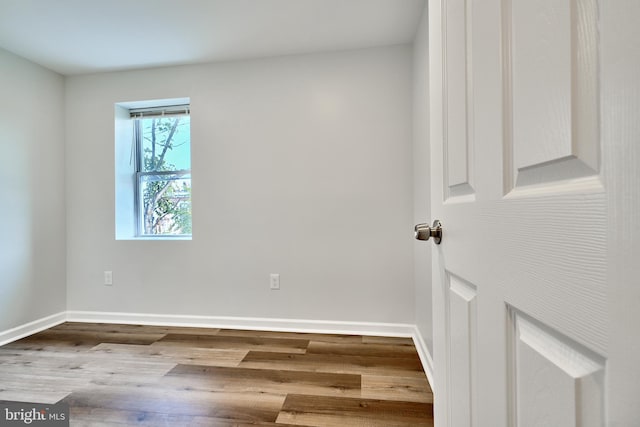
(108,278)
(274,281)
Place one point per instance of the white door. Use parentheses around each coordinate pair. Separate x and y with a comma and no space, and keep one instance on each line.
(535,133)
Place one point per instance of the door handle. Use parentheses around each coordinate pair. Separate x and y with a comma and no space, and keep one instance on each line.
(424,232)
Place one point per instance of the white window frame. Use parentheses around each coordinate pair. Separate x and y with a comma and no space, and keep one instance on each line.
(140,175)
(128,203)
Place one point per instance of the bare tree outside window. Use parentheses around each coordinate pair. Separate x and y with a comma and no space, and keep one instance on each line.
(164,175)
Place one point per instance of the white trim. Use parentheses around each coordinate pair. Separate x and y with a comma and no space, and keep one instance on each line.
(425,356)
(31,328)
(252,323)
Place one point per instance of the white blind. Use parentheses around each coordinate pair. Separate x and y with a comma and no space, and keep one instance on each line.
(167,110)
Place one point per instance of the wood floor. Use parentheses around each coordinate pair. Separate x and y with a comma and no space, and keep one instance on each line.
(168,376)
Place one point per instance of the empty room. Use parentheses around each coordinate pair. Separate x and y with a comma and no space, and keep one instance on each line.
(319,213)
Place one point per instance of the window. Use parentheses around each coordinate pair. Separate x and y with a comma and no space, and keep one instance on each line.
(163,172)
(153,169)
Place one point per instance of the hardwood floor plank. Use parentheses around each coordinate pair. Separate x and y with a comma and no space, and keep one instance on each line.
(87,338)
(38,377)
(178,355)
(97,417)
(26,359)
(17,392)
(264,380)
(408,389)
(248,407)
(270,425)
(100,417)
(132,329)
(49,377)
(387,340)
(380,350)
(339,364)
(292,335)
(345,412)
(127,368)
(50,347)
(232,342)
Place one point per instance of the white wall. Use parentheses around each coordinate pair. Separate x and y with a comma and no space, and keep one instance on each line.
(32,204)
(302,166)
(421,180)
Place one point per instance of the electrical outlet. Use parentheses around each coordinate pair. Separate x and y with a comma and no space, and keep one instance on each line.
(274,282)
(108,278)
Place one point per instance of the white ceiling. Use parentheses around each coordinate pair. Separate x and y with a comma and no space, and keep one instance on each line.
(84,36)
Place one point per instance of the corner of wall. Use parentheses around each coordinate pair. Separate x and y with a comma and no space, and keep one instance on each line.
(32,249)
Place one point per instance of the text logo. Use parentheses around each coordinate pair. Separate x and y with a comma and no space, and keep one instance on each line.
(33,414)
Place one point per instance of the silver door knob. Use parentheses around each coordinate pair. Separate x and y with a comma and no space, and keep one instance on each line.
(424,232)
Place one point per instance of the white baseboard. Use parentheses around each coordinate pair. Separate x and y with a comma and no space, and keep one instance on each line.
(425,356)
(252,323)
(31,328)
